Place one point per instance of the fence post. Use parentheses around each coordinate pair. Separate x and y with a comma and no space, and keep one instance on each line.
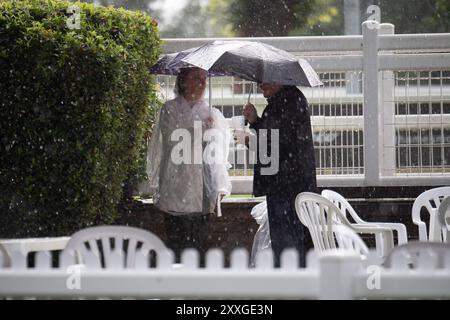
(352,26)
(387,113)
(336,271)
(371,103)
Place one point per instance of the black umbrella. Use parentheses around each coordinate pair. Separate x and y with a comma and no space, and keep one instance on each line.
(250,60)
(253,61)
(171,63)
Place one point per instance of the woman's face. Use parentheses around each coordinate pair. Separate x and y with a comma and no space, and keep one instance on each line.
(194,84)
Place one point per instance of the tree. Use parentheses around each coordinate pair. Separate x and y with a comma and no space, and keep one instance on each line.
(219,24)
(261,18)
(325,18)
(191,22)
(408,16)
(416,16)
(200,19)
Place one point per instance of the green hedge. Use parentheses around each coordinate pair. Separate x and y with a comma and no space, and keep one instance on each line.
(74,108)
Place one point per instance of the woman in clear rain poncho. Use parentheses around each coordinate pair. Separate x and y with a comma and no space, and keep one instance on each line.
(187,162)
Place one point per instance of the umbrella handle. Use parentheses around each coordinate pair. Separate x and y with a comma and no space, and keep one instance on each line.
(250,93)
(209,91)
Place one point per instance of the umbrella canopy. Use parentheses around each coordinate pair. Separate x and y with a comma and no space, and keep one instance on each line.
(253,61)
(250,60)
(171,63)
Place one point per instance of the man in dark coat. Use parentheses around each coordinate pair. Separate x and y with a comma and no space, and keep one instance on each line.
(287,111)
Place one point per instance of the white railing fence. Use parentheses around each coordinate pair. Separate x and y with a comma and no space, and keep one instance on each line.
(332,275)
(382,117)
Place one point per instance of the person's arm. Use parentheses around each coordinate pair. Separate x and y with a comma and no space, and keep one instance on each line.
(256,125)
(296,126)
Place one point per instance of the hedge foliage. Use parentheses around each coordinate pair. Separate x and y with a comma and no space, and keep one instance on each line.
(74,108)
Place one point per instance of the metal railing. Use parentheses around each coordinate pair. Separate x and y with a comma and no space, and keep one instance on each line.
(382,117)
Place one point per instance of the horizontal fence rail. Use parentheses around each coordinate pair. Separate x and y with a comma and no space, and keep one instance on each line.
(335,274)
(421,42)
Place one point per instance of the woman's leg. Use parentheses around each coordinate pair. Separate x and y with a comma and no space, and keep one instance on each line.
(189,231)
(198,235)
(175,234)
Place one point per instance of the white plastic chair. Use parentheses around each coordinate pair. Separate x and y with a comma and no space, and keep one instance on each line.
(18,249)
(346,208)
(444,219)
(419,255)
(430,200)
(114,247)
(328,228)
(319,214)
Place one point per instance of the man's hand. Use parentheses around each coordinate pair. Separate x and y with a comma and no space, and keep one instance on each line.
(249,112)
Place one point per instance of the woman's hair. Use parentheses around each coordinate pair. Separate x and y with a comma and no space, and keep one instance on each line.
(181,77)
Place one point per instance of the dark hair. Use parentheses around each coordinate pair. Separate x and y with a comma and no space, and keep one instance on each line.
(181,77)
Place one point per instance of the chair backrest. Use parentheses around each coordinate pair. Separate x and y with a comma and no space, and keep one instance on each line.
(419,255)
(342,203)
(444,219)
(430,200)
(319,215)
(113,246)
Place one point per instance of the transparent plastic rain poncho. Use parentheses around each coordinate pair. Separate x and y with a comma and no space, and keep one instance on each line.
(188,181)
(261,241)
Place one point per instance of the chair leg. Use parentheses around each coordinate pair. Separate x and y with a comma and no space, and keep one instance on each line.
(384,243)
(379,244)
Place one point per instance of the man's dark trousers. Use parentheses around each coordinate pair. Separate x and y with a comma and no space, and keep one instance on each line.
(286,230)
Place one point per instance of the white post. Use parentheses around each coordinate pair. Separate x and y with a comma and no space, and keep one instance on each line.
(387,112)
(352,23)
(371,102)
(337,271)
